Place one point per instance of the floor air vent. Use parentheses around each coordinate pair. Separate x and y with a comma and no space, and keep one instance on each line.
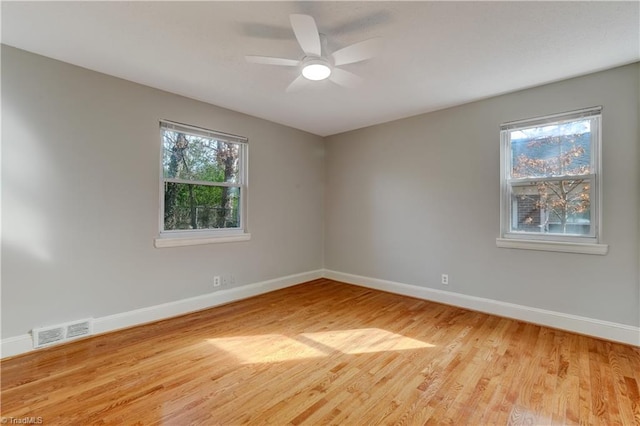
(46,336)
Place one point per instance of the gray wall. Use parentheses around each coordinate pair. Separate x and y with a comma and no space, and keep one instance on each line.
(80,189)
(414,198)
(404,201)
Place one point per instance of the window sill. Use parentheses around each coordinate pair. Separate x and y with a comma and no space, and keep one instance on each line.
(163,242)
(557,246)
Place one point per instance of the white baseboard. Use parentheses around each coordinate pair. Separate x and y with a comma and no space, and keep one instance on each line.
(16,345)
(21,344)
(593,327)
(603,329)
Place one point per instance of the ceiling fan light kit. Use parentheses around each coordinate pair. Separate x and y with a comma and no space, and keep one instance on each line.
(316,69)
(315,65)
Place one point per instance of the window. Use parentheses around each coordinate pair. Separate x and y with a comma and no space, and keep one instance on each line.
(551,183)
(203,186)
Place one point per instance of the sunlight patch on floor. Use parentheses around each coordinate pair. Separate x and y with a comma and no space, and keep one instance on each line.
(365,340)
(268,348)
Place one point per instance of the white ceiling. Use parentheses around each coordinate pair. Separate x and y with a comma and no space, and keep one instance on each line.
(433,54)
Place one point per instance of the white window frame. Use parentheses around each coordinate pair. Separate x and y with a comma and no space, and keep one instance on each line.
(179,238)
(590,244)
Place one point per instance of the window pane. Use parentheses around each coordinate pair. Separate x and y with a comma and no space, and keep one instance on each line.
(189,206)
(192,157)
(553,207)
(560,149)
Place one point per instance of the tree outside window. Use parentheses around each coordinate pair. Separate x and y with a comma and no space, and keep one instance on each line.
(550,176)
(203,179)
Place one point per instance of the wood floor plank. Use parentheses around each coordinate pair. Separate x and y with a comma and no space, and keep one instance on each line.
(325,352)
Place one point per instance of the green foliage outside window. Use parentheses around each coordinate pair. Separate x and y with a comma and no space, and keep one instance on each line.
(201,182)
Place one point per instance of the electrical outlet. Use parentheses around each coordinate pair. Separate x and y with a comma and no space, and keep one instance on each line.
(217,281)
(445,279)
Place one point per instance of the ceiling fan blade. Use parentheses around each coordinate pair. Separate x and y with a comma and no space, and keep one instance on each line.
(344,78)
(306,31)
(296,84)
(268,60)
(356,52)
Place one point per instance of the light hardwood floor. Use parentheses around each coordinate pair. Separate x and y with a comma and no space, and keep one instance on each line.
(328,353)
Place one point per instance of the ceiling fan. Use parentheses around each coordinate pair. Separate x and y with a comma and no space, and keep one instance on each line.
(318,64)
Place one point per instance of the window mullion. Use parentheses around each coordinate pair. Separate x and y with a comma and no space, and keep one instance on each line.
(202,182)
(529,181)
